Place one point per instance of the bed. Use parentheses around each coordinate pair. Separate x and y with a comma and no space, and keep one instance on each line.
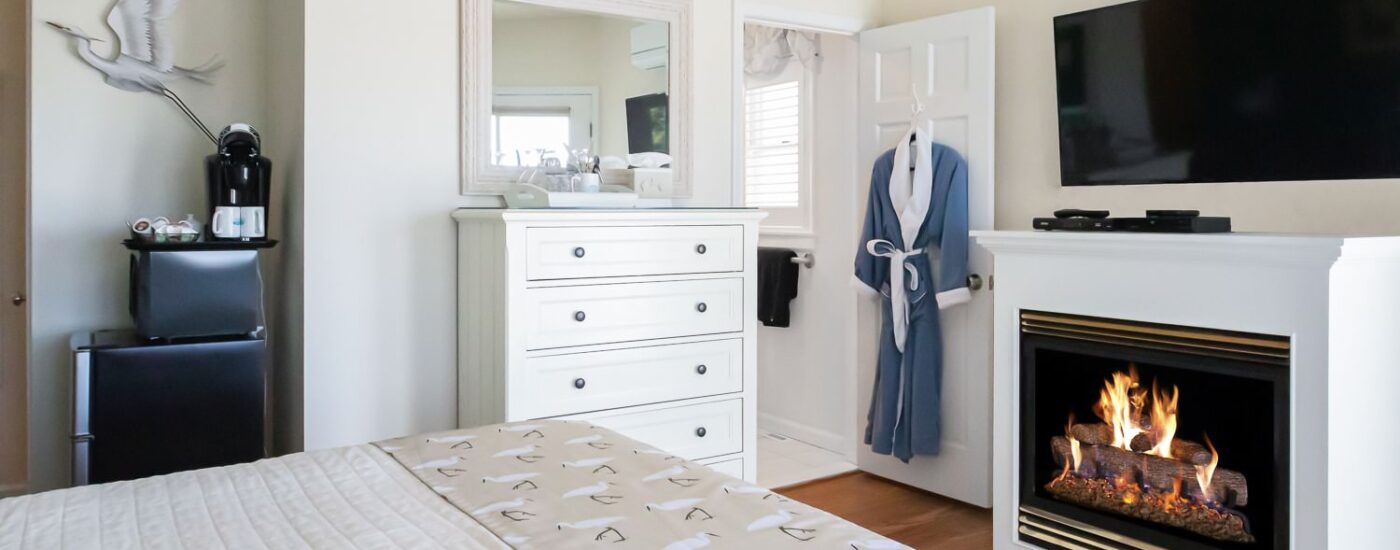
(547,484)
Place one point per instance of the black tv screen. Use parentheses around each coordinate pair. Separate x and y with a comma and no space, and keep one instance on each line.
(648,124)
(1199,91)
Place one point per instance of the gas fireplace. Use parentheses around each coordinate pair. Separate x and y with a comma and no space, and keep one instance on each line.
(1138,435)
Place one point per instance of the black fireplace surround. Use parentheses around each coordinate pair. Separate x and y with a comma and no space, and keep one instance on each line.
(1236,393)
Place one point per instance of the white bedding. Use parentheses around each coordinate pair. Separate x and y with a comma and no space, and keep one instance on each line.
(353,497)
(540,485)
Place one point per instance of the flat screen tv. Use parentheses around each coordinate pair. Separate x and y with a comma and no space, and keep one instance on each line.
(1201,91)
(648,124)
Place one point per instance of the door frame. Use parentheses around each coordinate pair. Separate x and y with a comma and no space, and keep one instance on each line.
(11,323)
(803,20)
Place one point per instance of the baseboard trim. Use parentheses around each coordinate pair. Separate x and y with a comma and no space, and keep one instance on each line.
(802,432)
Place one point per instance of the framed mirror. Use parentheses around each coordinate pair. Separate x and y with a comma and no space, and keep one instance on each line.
(549,82)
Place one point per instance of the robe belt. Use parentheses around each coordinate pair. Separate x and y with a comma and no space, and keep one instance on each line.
(899,302)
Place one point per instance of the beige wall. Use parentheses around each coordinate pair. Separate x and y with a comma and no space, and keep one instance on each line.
(286,92)
(621,80)
(1028,156)
(577,51)
(13,130)
(101,156)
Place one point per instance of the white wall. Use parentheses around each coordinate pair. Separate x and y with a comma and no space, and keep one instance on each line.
(380,166)
(804,373)
(866,12)
(101,156)
(1028,154)
(382,176)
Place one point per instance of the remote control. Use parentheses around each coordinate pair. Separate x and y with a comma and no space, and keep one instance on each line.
(1077,213)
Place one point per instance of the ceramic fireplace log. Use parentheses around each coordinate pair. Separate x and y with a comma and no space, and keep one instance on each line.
(1105,462)
(1102,434)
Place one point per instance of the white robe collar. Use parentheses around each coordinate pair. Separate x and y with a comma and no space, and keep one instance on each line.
(911,193)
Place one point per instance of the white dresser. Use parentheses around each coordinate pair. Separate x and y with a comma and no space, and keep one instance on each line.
(642,321)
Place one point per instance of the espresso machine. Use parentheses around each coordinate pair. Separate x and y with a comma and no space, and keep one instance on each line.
(239,181)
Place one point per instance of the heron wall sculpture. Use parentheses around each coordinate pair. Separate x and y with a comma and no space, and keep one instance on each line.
(146,62)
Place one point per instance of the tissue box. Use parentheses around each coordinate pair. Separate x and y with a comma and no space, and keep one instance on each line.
(653,182)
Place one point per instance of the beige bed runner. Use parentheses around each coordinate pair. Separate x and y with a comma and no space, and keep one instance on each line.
(555,484)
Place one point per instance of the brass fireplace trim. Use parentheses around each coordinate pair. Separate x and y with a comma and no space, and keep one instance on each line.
(1216,343)
(1057,529)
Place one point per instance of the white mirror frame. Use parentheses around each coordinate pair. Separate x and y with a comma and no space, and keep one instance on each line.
(479,174)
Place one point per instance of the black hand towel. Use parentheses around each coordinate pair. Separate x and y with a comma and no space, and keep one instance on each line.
(777,286)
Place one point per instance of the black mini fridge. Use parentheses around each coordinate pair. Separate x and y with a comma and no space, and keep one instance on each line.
(186,388)
(150,407)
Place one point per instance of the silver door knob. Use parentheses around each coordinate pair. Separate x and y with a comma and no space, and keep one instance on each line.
(18,299)
(974,282)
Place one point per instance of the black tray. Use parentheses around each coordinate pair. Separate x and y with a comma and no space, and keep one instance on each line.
(205,246)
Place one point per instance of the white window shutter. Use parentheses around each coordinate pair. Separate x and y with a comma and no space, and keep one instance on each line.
(773,148)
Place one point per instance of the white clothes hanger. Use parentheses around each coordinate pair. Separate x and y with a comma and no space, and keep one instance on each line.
(918,110)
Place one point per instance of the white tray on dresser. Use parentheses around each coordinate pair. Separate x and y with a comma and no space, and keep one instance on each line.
(642,321)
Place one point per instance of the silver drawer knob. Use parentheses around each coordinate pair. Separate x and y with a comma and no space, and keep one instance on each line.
(580,316)
(701,307)
(702,369)
(700,249)
(700,432)
(580,383)
(974,282)
(579,252)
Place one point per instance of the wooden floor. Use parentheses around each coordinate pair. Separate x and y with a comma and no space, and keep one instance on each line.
(908,515)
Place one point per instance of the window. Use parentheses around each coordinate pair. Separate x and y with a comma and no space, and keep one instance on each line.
(776,174)
(525,121)
(518,138)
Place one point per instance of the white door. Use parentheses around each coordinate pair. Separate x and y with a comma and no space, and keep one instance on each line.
(948,60)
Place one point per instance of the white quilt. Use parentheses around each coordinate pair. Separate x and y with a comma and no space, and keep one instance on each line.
(353,497)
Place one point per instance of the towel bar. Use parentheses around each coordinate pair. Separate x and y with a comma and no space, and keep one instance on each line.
(804,259)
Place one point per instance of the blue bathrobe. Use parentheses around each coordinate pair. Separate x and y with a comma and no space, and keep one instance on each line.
(905,408)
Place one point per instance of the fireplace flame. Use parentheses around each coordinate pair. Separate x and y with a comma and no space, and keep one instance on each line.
(1138,467)
(1206,472)
(1173,500)
(1073,443)
(1163,420)
(1074,451)
(1120,406)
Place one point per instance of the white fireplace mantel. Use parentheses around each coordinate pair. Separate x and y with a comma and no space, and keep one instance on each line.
(1337,299)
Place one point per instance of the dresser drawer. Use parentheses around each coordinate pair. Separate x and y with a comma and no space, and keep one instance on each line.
(576,316)
(732,467)
(565,384)
(578,252)
(691,432)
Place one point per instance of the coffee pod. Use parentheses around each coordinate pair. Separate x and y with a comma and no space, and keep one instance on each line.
(141,229)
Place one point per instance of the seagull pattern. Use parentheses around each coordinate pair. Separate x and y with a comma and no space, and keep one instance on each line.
(608,490)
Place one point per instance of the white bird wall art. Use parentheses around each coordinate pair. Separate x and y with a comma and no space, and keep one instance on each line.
(146,62)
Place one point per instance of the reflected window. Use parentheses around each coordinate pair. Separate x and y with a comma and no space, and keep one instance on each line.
(525,139)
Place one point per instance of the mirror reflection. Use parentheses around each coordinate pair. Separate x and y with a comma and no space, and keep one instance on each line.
(578,91)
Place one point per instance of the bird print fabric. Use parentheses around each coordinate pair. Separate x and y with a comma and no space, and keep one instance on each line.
(565,484)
